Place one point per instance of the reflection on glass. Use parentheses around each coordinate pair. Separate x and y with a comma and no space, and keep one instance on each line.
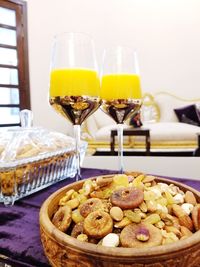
(9,95)
(7,37)
(8,76)
(7,16)
(9,115)
(74,82)
(8,56)
(120,89)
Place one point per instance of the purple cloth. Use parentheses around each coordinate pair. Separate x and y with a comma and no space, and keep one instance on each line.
(19,225)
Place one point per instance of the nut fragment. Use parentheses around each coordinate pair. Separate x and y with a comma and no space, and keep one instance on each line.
(82,237)
(151,205)
(73,203)
(76,216)
(168,237)
(67,197)
(143,207)
(172,229)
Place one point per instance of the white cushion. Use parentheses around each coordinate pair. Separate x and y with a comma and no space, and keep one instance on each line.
(167,103)
(160,131)
(172,131)
(103,134)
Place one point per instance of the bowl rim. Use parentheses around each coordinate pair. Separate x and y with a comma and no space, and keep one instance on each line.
(74,244)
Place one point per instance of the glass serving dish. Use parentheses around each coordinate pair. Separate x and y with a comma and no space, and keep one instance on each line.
(32,159)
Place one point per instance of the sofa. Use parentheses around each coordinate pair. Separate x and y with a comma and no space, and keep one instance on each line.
(173,122)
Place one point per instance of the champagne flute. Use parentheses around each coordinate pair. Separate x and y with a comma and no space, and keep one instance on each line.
(120,89)
(74,83)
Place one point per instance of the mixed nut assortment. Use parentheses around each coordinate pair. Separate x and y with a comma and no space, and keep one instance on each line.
(128,210)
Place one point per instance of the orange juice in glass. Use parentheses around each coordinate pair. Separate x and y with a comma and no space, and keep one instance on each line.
(120,89)
(74,93)
(121,94)
(74,83)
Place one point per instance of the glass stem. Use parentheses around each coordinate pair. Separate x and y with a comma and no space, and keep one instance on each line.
(77,136)
(120,147)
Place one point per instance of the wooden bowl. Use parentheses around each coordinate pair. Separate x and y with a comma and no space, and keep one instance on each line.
(64,250)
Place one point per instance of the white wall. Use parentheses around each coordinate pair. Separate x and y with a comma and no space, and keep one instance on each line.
(166,34)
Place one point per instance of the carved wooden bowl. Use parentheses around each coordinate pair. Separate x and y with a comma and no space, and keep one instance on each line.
(64,250)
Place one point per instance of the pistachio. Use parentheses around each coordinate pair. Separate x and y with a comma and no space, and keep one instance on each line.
(142,234)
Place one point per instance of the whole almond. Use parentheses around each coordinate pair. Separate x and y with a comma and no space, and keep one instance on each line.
(178,211)
(104,180)
(190,198)
(187,222)
(185,231)
(116,213)
(196,217)
(148,179)
(183,218)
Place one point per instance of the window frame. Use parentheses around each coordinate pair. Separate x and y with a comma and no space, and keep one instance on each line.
(21,47)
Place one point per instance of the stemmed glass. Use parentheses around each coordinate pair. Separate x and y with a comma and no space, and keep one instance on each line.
(120,89)
(74,83)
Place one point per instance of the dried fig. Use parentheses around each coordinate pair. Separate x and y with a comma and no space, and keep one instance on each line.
(127,198)
(140,236)
(98,224)
(77,229)
(90,205)
(62,218)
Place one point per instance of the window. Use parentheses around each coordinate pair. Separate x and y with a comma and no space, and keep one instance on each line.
(14,73)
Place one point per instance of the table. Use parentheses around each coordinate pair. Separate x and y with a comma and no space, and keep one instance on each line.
(131,132)
(19,225)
